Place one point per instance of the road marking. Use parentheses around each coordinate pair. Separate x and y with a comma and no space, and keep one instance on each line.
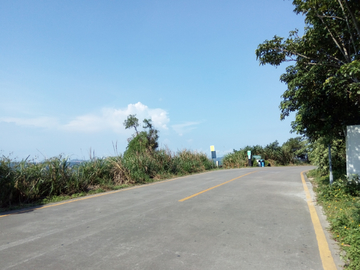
(325,253)
(213,187)
(86,198)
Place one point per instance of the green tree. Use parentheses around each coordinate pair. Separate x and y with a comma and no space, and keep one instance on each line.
(143,141)
(294,149)
(272,151)
(132,121)
(323,84)
(151,134)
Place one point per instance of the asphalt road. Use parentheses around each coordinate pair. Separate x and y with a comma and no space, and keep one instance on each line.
(258,221)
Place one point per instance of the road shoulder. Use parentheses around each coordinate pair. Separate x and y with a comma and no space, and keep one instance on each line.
(333,245)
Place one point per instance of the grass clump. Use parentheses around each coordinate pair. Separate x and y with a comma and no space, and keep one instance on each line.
(236,159)
(147,166)
(26,181)
(341,203)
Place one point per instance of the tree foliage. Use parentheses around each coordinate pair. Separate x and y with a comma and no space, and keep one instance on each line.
(323,85)
(294,150)
(318,155)
(132,121)
(142,141)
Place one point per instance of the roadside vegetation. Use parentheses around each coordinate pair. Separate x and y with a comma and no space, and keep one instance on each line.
(26,182)
(292,152)
(340,201)
(341,204)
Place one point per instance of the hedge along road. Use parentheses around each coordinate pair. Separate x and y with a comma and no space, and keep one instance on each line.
(256,218)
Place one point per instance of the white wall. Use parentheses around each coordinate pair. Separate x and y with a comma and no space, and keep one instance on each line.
(353,150)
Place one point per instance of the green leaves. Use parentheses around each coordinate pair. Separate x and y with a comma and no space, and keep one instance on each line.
(289,153)
(324,82)
(143,141)
(271,52)
(131,121)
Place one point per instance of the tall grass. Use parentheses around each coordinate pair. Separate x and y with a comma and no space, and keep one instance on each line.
(27,181)
(148,166)
(237,159)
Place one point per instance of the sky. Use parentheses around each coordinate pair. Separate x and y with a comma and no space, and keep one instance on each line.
(71,72)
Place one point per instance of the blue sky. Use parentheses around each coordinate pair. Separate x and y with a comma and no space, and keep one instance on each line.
(71,71)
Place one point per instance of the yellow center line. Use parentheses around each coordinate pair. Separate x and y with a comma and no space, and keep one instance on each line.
(213,187)
(325,253)
(86,198)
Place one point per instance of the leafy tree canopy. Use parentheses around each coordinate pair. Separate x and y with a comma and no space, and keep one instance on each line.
(323,84)
(146,140)
(132,121)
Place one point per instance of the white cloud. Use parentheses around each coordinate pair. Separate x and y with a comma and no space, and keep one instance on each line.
(107,119)
(186,127)
(42,122)
(86,123)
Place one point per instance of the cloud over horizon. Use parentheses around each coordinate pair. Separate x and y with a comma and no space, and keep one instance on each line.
(106,119)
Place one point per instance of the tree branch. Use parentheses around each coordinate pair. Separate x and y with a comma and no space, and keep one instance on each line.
(348,25)
(334,39)
(309,58)
(321,64)
(332,17)
(297,54)
(353,19)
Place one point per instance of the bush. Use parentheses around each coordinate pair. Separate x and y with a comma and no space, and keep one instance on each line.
(319,156)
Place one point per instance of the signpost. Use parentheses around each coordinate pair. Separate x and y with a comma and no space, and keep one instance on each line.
(213,152)
(249,158)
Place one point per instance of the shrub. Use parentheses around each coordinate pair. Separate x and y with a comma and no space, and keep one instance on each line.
(319,156)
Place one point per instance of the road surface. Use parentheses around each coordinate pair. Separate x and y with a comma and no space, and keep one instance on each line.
(254,218)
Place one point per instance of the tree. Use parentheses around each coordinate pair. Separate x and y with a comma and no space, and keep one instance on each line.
(132,121)
(143,141)
(323,84)
(151,135)
(294,149)
(272,151)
